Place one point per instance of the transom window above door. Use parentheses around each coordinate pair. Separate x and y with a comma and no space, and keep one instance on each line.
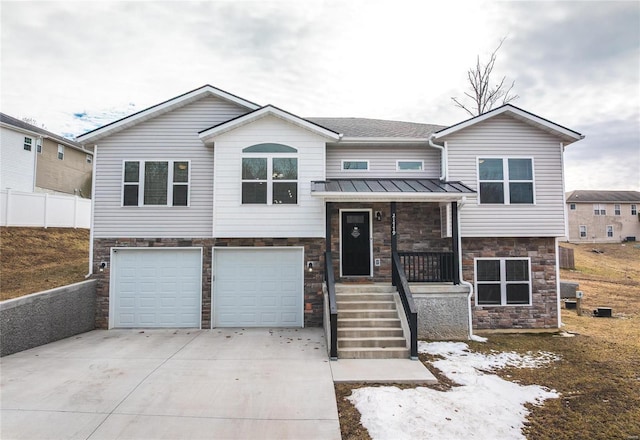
(355,165)
(269,175)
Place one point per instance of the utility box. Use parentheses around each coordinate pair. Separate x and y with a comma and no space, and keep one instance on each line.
(568,289)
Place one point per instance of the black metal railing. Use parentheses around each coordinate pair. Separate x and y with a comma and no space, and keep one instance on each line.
(428,267)
(330,280)
(399,280)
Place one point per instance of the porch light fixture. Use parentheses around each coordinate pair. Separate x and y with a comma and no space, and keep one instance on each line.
(379,216)
(310,266)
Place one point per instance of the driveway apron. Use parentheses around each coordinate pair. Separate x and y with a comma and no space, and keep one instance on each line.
(172,384)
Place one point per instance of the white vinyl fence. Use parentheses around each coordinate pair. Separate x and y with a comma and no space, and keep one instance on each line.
(19,208)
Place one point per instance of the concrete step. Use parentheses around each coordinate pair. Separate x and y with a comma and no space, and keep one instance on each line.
(368,287)
(370,332)
(369,323)
(365,305)
(373,353)
(364,296)
(380,342)
(366,314)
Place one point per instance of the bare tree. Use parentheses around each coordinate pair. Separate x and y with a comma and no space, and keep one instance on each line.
(483,96)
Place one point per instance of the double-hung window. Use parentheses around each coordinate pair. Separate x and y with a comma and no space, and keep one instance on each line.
(269,175)
(599,209)
(634,209)
(572,206)
(61,152)
(156,183)
(27,143)
(583,231)
(616,209)
(506,181)
(503,281)
(609,231)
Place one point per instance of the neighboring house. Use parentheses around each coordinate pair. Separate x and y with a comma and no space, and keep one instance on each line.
(213,211)
(36,160)
(603,216)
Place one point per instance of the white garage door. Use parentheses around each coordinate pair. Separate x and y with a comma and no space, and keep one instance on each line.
(156,288)
(258,287)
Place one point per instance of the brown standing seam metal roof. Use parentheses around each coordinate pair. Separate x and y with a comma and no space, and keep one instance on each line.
(603,196)
(390,186)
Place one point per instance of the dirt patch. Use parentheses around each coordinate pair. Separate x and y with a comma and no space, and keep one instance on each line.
(36,259)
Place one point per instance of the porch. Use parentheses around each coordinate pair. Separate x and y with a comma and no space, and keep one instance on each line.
(398,233)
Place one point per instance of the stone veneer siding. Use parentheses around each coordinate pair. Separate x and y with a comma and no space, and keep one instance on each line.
(313,251)
(543,313)
(417,229)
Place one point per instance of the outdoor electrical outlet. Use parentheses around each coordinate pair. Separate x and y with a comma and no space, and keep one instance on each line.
(377,262)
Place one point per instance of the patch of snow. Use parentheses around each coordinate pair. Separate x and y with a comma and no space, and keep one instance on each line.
(477,338)
(483,407)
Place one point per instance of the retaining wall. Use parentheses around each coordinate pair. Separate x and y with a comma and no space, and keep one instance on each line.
(40,318)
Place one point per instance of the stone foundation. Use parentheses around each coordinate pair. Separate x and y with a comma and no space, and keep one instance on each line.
(543,311)
(313,251)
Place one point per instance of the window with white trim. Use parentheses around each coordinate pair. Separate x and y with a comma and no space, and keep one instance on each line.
(583,231)
(39,145)
(27,143)
(60,152)
(616,209)
(355,165)
(409,165)
(156,183)
(269,175)
(506,181)
(609,231)
(503,281)
(634,209)
(599,209)
(572,206)
(89,158)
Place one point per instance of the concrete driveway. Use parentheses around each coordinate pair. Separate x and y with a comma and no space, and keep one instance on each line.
(171,384)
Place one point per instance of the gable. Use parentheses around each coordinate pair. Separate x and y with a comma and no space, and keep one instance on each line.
(170,105)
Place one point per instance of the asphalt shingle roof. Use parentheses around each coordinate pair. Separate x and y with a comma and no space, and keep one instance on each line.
(377,128)
(603,196)
(10,120)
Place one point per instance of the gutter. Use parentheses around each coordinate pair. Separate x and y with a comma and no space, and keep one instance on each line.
(93,205)
(462,281)
(443,155)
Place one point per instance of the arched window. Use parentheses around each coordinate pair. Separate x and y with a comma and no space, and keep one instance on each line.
(270,174)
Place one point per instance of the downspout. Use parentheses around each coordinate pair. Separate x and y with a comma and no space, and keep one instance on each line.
(462,281)
(443,156)
(93,205)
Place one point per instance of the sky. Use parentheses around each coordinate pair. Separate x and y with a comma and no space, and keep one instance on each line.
(73,66)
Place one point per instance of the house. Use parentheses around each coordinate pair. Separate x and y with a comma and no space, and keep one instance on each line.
(213,211)
(36,160)
(603,216)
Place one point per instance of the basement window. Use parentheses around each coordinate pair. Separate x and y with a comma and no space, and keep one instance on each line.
(503,281)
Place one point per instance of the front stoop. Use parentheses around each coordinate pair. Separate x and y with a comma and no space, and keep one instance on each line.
(369,326)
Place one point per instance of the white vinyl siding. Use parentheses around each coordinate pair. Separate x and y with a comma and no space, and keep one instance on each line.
(16,164)
(382,161)
(504,136)
(232,218)
(170,136)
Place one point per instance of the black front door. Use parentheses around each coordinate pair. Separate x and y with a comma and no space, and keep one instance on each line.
(356,248)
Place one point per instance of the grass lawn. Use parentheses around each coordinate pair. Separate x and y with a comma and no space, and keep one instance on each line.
(36,259)
(598,375)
